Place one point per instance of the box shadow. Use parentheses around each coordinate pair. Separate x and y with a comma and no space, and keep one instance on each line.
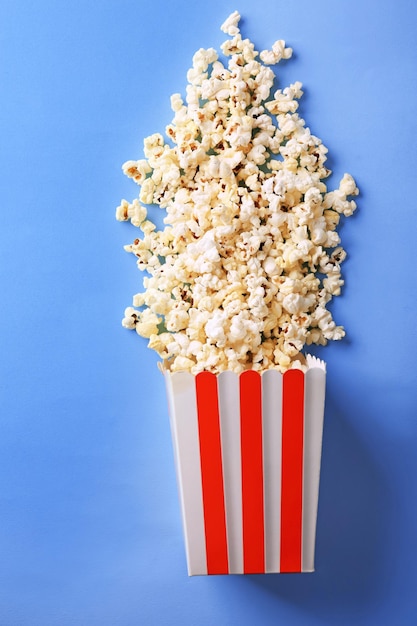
(351,527)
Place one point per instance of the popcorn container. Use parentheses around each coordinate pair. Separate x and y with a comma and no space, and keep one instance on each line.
(247,451)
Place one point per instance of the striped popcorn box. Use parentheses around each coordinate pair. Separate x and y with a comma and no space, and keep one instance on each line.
(247,452)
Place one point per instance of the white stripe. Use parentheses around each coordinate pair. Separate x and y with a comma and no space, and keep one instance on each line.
(184,425)
(229,404)
(272,456)
(315,383)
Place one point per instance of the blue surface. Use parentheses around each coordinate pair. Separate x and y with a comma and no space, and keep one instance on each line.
(90,530)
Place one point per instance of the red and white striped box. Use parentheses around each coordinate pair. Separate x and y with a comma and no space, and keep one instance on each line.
(247,452)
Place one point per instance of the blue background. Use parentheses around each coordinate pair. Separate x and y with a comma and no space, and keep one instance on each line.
(90,530)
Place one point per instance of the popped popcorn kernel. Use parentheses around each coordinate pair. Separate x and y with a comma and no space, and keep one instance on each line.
(229,26)
(278,52)
(249,257)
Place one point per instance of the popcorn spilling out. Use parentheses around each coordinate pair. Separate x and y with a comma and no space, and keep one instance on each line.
(241,275)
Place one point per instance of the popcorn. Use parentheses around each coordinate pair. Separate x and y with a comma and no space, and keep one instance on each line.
(278,52)
(137,170)
(230,26)
(249,258)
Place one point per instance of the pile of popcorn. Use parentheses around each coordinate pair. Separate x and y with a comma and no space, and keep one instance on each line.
(241,275)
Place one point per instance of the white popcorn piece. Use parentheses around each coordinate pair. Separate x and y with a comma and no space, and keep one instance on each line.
(278,52)
(230,25)
(147,323)
(249,257)
(137,170)
(131,318)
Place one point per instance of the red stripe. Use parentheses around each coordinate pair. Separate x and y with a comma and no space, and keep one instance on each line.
(211,473)
(252,472)
(292,470)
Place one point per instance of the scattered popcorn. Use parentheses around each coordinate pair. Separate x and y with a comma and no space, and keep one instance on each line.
(241,274)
